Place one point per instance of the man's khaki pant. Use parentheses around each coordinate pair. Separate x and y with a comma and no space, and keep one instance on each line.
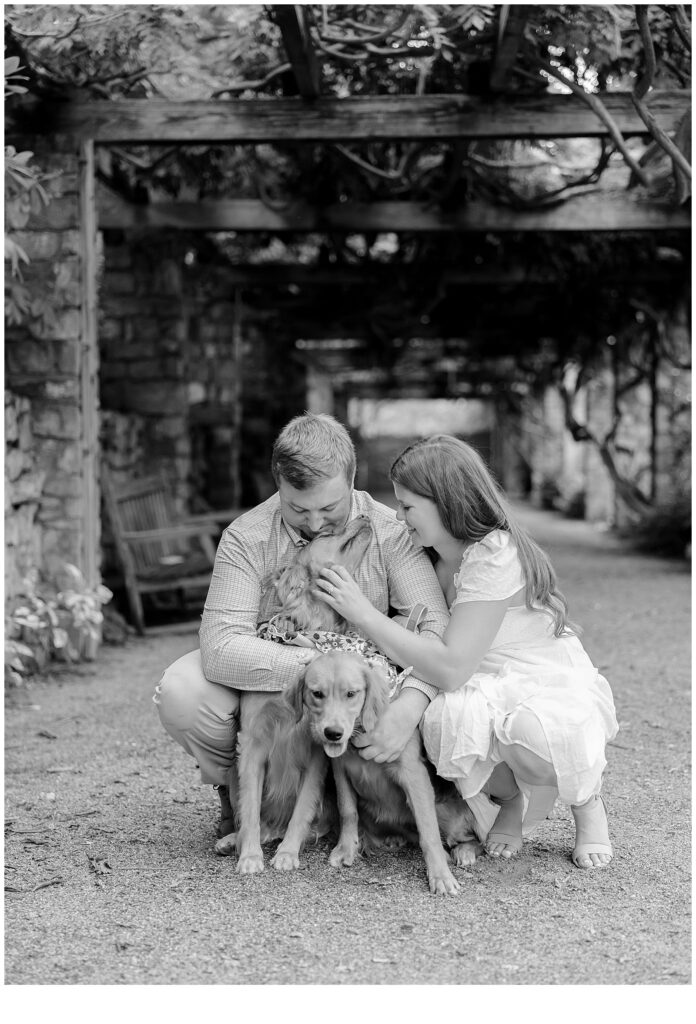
(201,716)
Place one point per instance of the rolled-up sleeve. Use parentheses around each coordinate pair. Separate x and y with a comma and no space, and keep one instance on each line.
(412,580)
(231,653)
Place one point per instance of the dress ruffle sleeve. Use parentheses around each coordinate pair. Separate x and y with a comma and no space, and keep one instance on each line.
(490,570)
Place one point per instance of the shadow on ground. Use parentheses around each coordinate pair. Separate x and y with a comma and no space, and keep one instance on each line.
(111,876)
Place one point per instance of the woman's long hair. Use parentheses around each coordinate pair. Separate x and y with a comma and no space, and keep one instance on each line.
(470,504)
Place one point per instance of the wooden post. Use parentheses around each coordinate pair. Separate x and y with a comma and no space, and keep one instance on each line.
(89,367)
(237,355)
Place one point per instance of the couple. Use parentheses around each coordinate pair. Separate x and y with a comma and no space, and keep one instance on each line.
(510,707)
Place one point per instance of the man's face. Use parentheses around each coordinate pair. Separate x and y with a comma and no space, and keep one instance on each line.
(322,508)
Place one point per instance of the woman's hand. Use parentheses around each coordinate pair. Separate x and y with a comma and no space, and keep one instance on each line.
(337,588)
(395,727)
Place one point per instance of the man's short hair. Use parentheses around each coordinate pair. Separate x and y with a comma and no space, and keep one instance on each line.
(311,448)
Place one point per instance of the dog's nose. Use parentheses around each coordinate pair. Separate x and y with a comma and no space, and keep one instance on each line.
(333,734)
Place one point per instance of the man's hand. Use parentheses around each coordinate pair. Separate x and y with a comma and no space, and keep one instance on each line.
(394,728)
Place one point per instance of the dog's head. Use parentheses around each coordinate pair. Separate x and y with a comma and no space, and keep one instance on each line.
(340,692)
(287,594)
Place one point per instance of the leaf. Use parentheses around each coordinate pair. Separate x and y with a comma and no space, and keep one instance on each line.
(99,865)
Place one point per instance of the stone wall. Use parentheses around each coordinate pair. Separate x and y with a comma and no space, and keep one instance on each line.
(204,402)
(23,488)
(651,445)
(45,466)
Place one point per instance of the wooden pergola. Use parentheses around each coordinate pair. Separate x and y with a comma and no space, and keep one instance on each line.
(311,117)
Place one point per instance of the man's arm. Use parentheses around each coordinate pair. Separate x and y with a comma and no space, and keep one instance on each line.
(231,653)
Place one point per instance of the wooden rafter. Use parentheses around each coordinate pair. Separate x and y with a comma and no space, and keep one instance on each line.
(304,275)
(370,118)
(512,19)
(292,21)
(613,211)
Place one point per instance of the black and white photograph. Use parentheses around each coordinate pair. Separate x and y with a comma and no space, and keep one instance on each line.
(347,510)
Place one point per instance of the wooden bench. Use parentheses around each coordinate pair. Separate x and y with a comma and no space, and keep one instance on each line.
(156,551)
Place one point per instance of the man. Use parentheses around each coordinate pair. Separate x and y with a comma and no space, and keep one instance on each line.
(198,697)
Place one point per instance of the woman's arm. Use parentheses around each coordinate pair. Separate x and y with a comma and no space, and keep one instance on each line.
(446,663)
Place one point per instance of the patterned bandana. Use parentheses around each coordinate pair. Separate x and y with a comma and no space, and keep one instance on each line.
(324,640)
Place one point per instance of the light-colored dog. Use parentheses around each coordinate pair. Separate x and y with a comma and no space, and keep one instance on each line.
(340,693)
(276,784)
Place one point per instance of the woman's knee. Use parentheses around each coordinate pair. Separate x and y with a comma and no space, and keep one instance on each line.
(523,728)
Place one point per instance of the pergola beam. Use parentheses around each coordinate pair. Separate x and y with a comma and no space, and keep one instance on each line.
(304,275)
(614,211)
(512,19)
(292,22)
(361,119)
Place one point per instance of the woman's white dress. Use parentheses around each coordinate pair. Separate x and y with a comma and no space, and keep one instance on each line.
(527,667)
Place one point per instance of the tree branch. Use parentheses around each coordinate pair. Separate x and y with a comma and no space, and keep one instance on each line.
(600,110)
(641,89)
(256,84)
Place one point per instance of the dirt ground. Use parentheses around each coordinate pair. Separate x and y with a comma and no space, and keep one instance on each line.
(111,877)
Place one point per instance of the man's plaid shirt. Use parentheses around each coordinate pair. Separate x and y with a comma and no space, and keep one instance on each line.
(392,573)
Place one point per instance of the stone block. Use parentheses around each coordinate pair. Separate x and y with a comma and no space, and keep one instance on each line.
(196,393)
(61,213)
(221,312)
(112,370)
(138,348)
(114,393)
(67,357)
(119,282)
(28,488)
(11,420)
(28,355)
(57,421)
(62,389)
(117,257)
(70,243)
(39,245)
(153,398)
(68,326)
(170,426)
(15,462)
(145,369)
(63,485)
(26,431)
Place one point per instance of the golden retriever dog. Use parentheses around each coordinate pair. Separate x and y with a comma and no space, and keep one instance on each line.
(288,600)
(277,782)
(340,693)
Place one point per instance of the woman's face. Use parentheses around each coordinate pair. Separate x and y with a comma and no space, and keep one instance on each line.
(421,517)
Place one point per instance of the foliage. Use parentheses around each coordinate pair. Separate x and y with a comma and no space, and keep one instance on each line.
(664,531)
(58,619)
(25,194)
(225,50)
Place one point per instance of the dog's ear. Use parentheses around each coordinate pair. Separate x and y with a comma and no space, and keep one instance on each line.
(376,695)
(291,583)
(294,695)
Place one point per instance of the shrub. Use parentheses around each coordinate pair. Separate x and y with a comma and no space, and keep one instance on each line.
(58,619)
(665,530)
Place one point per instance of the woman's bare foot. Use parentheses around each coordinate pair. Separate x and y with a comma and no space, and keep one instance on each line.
(592,843)
(505,838)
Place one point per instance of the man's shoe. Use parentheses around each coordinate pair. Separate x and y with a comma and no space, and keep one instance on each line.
(226,824)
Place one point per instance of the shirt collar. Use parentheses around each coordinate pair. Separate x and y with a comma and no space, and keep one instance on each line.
(301,542)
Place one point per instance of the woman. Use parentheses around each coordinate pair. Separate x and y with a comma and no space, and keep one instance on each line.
(523,715)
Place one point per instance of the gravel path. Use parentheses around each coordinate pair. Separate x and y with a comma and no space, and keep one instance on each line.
(111,878)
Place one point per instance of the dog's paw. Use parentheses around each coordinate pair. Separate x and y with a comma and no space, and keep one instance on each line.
(443,883)
(250,863)
(395,842)
(465,854)
(285,861)
(343,855)
(226,846)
